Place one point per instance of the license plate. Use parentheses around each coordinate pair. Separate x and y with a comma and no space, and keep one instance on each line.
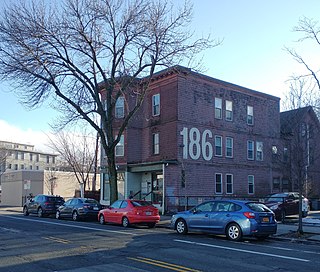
(265,219)
(148,213)
(95,208)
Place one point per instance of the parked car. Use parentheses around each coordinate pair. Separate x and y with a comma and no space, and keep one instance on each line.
(79,208)
(42,205)
(130,211)
(233,218)
(283,204)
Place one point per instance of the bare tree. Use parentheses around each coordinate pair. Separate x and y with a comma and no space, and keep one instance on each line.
(71,50)
(3,160)
(50,180)
(78,153)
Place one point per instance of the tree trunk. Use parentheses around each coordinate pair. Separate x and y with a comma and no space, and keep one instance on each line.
(112,170)
(300,228)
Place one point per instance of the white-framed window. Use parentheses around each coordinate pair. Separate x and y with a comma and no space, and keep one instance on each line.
(120,147)
(229,183)
(250,150)
(218,145)
(119,108)
(251,184)
(218,183)
(156,104)
(249,115)
(218,108)
(259,151)
(155,143)
(229,147)
(229,110)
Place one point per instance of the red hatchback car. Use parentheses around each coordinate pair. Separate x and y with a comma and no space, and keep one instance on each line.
(130,211)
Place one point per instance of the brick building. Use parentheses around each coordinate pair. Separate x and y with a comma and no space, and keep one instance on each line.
(196,137)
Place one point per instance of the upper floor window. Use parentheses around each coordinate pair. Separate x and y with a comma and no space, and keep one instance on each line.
(16,155)
(37,158)
(22,156)
(31,157)
(156,104)
(218,182)
(119,110)
(48,159)
(250,150)
(155,143)
(259,151)
(229,110)
(229,147)
(229,184)
(218,145)
(249,115)
(120,147)
(218,108)
(251,184)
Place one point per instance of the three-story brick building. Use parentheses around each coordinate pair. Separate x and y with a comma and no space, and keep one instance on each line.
(197,137)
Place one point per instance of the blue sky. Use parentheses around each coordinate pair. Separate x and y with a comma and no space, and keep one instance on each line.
(252,55)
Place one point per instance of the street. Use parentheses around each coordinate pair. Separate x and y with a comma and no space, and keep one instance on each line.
(46,244)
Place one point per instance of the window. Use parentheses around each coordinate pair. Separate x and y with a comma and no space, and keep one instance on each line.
(156,104)
(16,167)
(218,183)
(119,111)
(249,115)
(218,145)
(250,150)
(251,184)
(229,110)
(30,167)
(259,151)
(22,156)
(10,166)
(285,154)
(229,147)
(218,108)
(37,167)
(17,155)
(31,157)
(276,184)
(120,147)
(37,158)
(155,143)
(22,166)
(48,159)
(229,184)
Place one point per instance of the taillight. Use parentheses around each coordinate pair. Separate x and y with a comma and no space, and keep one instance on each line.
(249,215)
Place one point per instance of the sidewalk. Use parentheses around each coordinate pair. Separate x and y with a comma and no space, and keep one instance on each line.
(311,225)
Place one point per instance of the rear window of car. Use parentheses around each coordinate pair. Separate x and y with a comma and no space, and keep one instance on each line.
(138,203)
(54,199)
(258,207)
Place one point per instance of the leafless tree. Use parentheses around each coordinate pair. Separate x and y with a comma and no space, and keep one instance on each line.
(3,160)
(78,154)
(69,51)
(50,180)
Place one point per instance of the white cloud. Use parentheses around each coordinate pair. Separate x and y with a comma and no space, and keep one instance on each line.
(12,133)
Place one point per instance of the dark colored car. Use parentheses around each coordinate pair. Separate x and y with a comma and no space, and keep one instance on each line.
(233,218)
(79,208)
(283,204)
(42,205)
(130,211)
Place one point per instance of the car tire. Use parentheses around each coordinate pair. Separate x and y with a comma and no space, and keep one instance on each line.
(151,225)
(40,212)
(58,215)
(181,227)
(125,222)
(75,216)
(102,221)
(25,211)
(234,232)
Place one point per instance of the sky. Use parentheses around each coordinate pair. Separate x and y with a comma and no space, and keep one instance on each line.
(252,55)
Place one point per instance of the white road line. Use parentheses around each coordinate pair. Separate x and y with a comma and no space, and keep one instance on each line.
(71,226)
(243,250)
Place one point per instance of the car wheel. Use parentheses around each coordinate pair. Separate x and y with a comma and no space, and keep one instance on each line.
(151,225)
(75,216)
(40,212)
(234,232)
(25,211)
(125,222)
(181,226)
(102,221)
(58,215)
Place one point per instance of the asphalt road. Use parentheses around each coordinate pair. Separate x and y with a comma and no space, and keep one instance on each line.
(46,244)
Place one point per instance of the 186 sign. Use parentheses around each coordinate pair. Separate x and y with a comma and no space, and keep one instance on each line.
(196,144)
